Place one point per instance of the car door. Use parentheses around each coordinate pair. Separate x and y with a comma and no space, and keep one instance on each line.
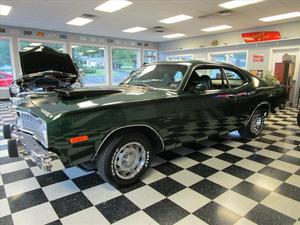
(203,113)
(242,91)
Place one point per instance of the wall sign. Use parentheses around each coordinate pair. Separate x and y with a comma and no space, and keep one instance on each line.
(258,58)
(261,36)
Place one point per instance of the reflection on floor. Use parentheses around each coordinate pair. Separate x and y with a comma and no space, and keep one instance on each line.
(226,180)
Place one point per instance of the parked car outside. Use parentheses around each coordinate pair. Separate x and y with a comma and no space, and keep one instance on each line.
(160,107)
(5,79)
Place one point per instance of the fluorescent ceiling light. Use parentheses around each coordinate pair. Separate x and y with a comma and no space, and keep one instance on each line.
(79,21)
(216,28)
(4,10)
(280,17)
(134,29)
(176,19)
(35,44)
(238,3)
(174,35)
(113,5)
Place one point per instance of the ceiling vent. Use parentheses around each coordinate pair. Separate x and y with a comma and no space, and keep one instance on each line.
(88,16)
(225,12)
(159,29)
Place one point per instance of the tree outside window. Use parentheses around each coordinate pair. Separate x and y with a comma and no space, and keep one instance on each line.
(124,61)
(91,62)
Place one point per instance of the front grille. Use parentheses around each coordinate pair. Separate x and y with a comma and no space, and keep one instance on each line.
(33,125)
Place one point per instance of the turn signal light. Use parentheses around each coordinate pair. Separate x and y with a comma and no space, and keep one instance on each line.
(75,140)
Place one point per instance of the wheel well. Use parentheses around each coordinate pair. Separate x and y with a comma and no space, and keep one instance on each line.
(154,138)
(266,107)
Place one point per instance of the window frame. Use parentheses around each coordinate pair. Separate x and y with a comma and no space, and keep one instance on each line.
(229,52)
(11,52)
(111,60)
(239,73)
(149,49)
(42,41)
(105,57)
(205,66)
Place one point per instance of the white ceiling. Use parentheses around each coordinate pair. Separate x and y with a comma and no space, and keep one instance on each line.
(53,14)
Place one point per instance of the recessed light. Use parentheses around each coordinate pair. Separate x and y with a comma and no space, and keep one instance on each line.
(134,29)
(174,35)
(280,17)
(113,5)
(4,10)
(176,19)
(238,3)
(79,21)
(216,28)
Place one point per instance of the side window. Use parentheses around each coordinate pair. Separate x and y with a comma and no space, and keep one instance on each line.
(211,78)
(234,78)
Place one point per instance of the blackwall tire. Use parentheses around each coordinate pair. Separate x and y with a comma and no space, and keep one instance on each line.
(298,118)
(124,159)
(6,131)
(255,125)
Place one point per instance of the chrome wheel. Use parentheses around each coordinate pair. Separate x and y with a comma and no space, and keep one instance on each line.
(129,160)
(257,123)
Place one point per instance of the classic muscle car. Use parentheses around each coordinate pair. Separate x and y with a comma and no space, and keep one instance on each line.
(44,70)
(160,107)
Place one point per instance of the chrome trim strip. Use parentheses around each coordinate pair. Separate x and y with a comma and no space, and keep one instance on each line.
(127,126)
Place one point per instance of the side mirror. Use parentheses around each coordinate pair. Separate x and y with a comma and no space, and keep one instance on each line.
(200,88)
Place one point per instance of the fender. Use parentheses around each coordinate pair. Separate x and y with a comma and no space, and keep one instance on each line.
(124,127)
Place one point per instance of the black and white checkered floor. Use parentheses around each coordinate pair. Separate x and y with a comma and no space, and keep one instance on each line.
(226,180)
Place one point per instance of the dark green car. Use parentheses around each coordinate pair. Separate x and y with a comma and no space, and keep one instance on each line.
(160,107)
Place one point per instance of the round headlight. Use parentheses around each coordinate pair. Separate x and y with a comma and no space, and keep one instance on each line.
(14,88)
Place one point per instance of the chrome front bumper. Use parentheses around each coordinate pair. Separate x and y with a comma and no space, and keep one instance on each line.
(27,145)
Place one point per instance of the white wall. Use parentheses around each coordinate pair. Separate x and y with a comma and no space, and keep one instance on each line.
(15,33)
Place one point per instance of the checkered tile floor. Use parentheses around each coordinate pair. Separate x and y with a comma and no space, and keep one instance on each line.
(225,180)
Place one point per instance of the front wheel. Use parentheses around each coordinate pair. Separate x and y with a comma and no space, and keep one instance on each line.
(255,125)
(124,159)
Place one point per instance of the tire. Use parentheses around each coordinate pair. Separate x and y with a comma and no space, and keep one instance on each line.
(125,151)
(6,131)
(254,126)
(12,148)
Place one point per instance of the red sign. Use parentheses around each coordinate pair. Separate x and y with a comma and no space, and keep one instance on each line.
(258,58)
(261,36)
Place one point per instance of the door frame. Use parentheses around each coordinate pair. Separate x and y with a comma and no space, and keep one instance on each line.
(297,67)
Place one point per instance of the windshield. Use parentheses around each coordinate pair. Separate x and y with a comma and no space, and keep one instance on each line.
(163,76)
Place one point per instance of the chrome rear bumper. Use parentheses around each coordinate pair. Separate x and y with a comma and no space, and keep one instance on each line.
(27,145)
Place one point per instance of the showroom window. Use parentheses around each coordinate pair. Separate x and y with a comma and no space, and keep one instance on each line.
(25,45)
(91,61)
(179,57)
(6,67)
(124,61)
(236,58)
(150,56)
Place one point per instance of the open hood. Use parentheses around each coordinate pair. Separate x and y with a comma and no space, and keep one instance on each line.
(42,58)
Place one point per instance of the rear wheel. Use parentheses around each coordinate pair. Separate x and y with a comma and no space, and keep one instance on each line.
(124,159)
(298,118)
(255,125)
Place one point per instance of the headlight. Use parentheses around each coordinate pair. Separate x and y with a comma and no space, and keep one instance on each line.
(42,134)
(14,88)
